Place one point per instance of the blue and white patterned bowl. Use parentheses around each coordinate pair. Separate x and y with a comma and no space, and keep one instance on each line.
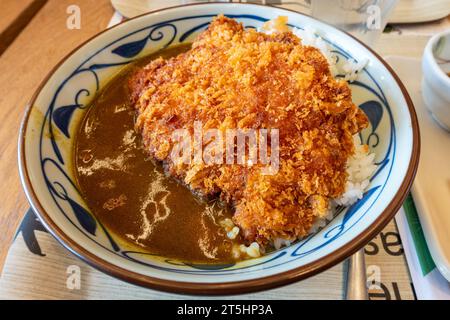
(47,137)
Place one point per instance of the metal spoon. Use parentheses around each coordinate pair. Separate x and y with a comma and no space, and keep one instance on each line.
(356,277)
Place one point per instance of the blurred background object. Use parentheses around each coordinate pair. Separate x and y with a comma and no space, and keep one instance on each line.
(364,19)
(436,79)
(406,11)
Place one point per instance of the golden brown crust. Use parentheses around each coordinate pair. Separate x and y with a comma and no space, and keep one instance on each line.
(236,78)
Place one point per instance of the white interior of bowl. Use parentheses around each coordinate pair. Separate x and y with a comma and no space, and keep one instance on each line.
(390,137)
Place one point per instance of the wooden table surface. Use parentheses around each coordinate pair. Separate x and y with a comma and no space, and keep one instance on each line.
(27,60)
(35,37)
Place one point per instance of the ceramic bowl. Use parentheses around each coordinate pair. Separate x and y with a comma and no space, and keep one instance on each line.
(47,137)
(436,78)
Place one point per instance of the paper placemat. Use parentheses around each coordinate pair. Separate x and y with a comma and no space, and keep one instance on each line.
(38,267)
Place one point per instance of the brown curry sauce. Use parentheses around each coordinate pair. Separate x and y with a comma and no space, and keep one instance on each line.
(130,194)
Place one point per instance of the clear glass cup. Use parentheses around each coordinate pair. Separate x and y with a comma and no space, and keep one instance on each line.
(364,19)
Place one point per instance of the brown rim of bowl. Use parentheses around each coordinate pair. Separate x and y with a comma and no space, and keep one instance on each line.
(235,287)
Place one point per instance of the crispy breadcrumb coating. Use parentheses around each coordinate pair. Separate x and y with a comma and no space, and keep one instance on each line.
(236,78)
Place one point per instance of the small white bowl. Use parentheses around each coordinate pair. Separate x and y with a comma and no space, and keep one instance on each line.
(436,82)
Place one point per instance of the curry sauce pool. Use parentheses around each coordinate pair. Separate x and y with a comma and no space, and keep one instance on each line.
(131,195)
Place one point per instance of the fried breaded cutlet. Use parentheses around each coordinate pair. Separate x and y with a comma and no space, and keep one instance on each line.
(239,78)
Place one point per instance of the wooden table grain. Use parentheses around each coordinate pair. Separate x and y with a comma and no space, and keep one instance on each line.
(15,16)
(23,65)
(46,40)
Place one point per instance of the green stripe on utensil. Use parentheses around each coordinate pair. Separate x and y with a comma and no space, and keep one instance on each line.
(425,260)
